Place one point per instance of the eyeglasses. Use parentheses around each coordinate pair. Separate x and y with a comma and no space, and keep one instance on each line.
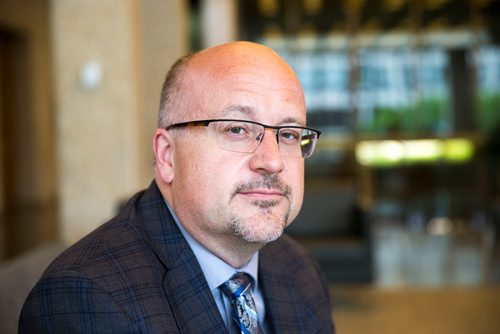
(245,136)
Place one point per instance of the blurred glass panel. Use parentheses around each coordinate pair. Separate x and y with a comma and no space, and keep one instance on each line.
(488,87)
(403,91)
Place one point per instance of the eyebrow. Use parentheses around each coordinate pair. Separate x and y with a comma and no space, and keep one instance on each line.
(244,109)
(238,108)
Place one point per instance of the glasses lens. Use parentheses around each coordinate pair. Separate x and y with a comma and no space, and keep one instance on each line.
(239,136)
(308,143)
(245,137)
(297,142)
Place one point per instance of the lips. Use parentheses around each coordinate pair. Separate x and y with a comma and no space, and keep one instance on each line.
(263,194)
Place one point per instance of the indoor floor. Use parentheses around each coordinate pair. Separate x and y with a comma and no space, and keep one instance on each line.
(432,284)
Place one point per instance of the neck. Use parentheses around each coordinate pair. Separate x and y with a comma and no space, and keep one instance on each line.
(230,248)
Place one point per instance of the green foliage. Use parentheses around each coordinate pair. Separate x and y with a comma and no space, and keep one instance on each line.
(426,116)
(488,106)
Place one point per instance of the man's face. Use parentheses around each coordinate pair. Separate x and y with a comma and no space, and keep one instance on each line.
(250,196)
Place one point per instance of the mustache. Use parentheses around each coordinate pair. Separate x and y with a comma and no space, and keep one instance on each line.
(268,182)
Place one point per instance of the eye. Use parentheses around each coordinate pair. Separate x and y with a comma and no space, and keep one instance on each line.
(236,131)
(290,136)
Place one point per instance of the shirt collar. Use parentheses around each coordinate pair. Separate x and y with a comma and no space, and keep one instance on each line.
(216,270)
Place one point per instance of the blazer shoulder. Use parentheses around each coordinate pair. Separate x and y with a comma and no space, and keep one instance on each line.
(117,238)
(113,271)
(119,245)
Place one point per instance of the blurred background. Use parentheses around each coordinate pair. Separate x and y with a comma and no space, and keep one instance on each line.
(402,206)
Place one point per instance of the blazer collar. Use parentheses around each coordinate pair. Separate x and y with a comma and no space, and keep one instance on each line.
(186,288)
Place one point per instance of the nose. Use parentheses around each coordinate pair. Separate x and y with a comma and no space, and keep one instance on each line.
(267,157)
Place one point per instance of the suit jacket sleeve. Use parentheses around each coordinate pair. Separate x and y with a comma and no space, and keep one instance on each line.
(68,302)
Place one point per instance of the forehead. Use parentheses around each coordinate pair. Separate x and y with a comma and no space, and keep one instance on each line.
(258,90)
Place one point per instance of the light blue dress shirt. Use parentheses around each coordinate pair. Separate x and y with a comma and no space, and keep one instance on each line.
(217,271)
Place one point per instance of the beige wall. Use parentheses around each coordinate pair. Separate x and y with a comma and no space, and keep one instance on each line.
(163,37)
(104,135)
(82,151)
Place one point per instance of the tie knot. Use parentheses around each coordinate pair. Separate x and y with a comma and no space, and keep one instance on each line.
(238,284)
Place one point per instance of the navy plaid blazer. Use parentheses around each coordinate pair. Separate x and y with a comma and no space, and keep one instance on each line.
(137,274)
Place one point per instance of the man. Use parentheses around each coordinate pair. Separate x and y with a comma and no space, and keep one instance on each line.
(201,250)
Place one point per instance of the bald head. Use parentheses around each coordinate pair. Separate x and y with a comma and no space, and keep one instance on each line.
(193,78)
(232,58)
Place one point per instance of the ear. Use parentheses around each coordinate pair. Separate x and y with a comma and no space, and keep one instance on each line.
(163,151)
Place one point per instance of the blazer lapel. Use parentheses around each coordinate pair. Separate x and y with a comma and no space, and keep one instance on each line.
(284,308)
(186,288)
(190,298)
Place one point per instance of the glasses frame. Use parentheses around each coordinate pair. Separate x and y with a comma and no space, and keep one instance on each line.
(206,122)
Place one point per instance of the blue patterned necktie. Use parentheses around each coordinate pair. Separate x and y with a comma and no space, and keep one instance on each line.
(244,313)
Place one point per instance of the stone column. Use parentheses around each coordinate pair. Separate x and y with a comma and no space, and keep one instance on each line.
(219,21)
(109,60)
